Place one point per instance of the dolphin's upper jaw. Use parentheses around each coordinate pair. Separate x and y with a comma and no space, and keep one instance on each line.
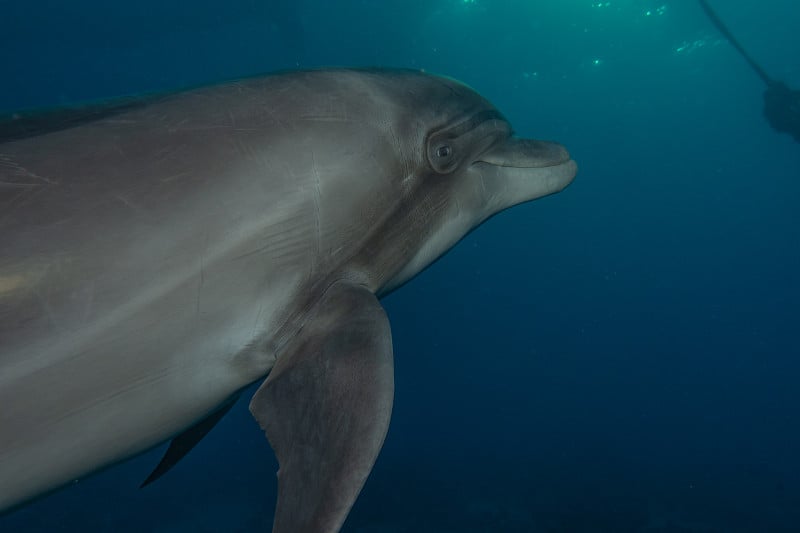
(525,153)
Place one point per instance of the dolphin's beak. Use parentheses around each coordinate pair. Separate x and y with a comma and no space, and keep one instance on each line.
(518,170)
(525,153)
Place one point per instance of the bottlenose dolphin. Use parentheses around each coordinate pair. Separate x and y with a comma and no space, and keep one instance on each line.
(158,255)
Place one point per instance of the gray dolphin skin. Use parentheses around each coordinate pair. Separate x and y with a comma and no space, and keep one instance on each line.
(157,256)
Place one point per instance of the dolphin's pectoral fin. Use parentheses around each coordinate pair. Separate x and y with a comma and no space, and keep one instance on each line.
(183,443)
(325,408)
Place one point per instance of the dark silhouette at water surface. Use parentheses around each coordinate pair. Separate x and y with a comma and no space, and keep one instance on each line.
(781,103)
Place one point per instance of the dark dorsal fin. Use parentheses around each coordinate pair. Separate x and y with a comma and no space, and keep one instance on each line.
(24,124)
(183,443)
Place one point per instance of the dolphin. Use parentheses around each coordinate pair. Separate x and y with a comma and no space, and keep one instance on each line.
(159,254)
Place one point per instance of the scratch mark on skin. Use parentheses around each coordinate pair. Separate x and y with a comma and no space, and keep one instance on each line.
(200,287)
(406,161)
(38,177)
(323,118)
(202,280)
(125,201)
(23,172)
(317,201)
(138,209)
(258,320)
(174,177)
(484,190)
(12,185)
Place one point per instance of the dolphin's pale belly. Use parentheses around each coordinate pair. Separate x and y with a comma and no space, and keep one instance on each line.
(133,300)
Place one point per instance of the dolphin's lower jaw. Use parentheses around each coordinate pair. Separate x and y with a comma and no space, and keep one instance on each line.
(518,170)
(562,175)
(523,184)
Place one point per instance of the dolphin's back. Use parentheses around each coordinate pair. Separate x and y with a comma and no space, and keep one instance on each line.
(21,125)
(90,215)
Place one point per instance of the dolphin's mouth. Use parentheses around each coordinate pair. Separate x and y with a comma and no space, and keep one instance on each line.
(518,170)
(525,153)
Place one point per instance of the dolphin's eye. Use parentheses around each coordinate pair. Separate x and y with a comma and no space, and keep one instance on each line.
(444,153)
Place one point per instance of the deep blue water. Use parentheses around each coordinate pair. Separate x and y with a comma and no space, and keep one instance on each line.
(620,357)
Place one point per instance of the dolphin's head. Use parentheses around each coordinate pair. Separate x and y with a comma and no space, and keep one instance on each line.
(465,165)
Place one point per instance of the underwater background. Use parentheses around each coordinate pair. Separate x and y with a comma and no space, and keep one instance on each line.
(620,357)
